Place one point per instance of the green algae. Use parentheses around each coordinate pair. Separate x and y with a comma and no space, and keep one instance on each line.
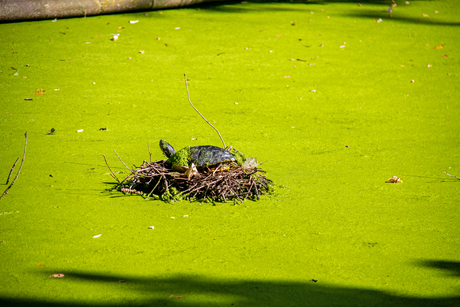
(182,157)
(331,134)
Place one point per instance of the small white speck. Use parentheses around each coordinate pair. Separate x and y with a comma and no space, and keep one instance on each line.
(81,130)
(133,21)
(97,236)
(313,91)
(186,216)
(172,217)
(151,227)
(236,102)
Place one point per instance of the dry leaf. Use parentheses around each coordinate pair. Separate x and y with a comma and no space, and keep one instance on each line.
(141,51)
(39,264)
(39,92)
(439,47)
(59,275)
(394,179)
(445,56)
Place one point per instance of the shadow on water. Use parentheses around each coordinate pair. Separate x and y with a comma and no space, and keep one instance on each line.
(191,290)
(362,12)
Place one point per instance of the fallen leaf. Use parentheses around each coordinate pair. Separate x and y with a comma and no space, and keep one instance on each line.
(177,28)
(141,51)
(287,76)
(121,281)
(426,16)
(445,56)
(394,179)
(412,81)
(39,92)
(439,47)
(59,275)
(39,264)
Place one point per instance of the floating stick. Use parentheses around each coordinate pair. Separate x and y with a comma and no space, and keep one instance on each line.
(20,168)
(451,175)
(11,171)
(188,94)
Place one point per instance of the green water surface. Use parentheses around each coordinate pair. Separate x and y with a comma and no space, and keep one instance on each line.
(335,97)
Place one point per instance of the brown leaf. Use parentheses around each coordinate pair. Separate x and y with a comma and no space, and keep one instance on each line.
(439,47)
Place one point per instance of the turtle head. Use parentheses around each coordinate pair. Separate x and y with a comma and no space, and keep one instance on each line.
(167,149)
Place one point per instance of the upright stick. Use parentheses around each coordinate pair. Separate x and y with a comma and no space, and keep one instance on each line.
(188,94)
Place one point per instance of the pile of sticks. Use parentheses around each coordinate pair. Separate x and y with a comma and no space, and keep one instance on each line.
(158,180)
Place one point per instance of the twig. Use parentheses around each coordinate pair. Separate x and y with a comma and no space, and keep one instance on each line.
(451,175)
(148,145)
(188,94)
(11,171)
(122,160)
(20,168)
(111,172)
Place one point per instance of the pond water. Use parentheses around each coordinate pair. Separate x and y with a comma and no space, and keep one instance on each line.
(336,98)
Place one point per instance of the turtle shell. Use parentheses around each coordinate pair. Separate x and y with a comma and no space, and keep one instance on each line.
(208,155)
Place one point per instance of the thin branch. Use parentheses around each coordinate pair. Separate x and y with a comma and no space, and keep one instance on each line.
(188,94)
(150,154)
(122,160)
(20,168)
(451,175)
(11,171)
(111,172)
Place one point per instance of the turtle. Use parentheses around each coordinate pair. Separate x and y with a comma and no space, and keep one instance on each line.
(200,156)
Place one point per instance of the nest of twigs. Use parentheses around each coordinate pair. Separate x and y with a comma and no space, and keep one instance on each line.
(159,181)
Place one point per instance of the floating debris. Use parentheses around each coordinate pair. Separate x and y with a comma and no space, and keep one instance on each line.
(59,275)
(394,179)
